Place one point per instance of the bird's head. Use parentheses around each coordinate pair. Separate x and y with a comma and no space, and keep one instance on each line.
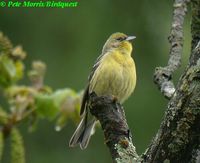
(119,41)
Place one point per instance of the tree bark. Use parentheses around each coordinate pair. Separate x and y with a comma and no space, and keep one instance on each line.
(116,131)
(179,132)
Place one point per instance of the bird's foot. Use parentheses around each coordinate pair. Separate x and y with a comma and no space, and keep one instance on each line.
(115,99)
(116,102)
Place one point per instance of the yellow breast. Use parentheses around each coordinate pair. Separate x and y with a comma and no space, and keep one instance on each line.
(116,76)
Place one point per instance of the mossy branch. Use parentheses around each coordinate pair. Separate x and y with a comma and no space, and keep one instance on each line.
(179,132)
(117,134)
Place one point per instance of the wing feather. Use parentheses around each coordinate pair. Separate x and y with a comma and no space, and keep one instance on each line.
(87,92)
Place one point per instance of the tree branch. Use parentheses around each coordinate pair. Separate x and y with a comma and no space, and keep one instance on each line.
(163,75)
(116,131)
(178,138)
(179,133)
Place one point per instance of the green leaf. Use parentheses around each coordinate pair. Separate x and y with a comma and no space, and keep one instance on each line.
(10,71)
(61,95)
(49,105)
(70,109)
(7,71)
(9,67)
(17,147)
(1,145)
(45,106)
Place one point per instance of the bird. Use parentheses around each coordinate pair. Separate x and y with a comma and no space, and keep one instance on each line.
(113,74)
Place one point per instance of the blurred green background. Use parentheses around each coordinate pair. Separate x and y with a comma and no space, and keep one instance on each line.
(68,41)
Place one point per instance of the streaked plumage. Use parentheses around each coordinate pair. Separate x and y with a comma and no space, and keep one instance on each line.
(113,74)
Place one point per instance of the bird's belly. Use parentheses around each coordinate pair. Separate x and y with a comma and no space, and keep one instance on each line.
(114,79)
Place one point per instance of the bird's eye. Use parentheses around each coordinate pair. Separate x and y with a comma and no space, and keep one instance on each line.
(121,38)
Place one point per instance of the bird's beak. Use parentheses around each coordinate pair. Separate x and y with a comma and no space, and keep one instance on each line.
(130,38)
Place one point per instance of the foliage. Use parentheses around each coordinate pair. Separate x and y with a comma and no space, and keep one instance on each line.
(32,102)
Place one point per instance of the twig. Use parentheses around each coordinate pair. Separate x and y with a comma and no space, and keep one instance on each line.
(12,121)
(163,75)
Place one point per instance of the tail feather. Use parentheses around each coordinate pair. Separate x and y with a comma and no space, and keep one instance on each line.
(78,134)
(83,133)
(89,130)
